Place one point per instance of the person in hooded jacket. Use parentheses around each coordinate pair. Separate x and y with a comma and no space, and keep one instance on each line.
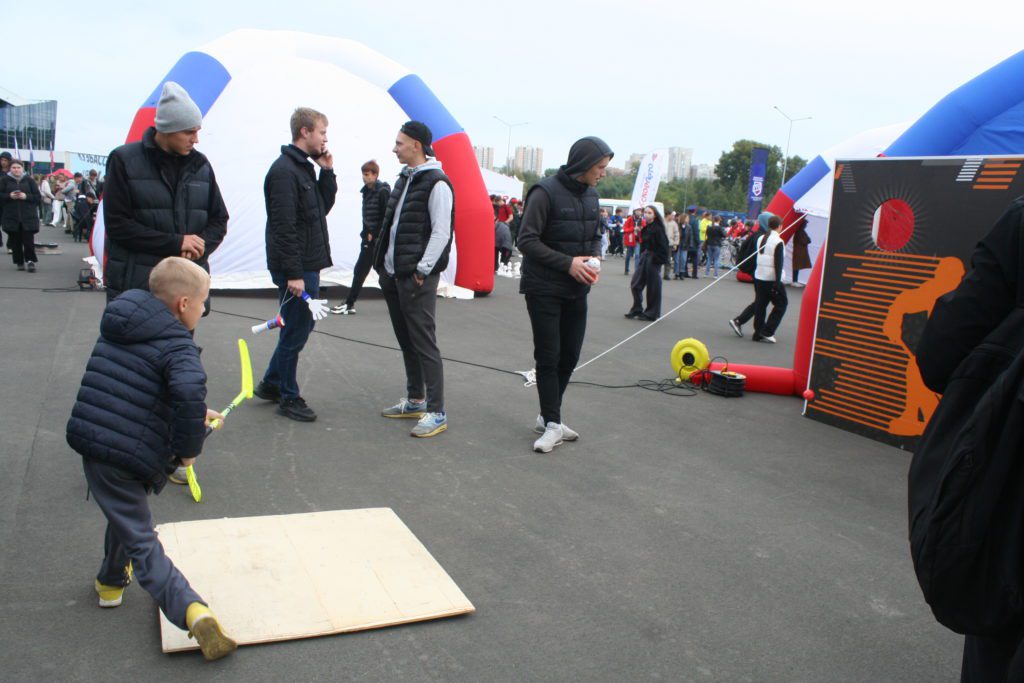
(19,196)
(559,235)
(140,413)
(654,254)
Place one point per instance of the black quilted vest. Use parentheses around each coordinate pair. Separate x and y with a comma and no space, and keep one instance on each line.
(413,224)
(572,229)
(182,210)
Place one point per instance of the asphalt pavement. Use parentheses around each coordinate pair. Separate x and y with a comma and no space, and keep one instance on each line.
(690,538)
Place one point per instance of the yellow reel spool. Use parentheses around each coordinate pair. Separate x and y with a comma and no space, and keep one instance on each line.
(689,356)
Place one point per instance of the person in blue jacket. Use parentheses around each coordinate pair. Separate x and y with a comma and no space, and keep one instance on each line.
(141,411)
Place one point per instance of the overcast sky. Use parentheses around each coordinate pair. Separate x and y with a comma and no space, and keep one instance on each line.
(641,74)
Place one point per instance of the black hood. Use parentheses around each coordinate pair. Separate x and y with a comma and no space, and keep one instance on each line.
(584,153)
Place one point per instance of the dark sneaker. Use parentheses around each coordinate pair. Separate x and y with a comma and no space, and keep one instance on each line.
(31,265)
(20,266)
(296,409)
(736,327)
(268,392)
(630,315)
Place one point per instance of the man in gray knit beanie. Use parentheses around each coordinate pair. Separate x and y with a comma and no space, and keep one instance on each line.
(176,111)
(161,197)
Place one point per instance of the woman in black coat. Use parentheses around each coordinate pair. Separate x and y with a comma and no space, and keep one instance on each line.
(19,196)
(654,253)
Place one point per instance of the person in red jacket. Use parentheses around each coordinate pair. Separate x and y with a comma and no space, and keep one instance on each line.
(630,237)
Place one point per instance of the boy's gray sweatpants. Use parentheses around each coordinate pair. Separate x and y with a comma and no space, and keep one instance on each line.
(130,536)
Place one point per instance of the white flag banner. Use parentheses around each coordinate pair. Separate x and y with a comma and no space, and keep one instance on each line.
(648,178)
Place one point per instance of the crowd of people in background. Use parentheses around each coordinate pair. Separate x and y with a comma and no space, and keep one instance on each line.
(29,200)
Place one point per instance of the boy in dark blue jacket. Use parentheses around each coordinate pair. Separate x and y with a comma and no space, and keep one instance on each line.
(141,411)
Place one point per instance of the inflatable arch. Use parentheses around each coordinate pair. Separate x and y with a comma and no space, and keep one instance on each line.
(248,82)
(983,116)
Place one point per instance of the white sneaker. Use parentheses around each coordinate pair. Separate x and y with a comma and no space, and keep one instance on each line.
(567,434)
(551,437)
(343,309)
(767,340)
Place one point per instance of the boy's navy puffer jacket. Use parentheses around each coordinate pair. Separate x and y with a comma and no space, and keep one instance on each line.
(143,397)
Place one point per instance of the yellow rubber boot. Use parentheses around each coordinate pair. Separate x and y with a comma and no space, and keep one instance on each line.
(205,628)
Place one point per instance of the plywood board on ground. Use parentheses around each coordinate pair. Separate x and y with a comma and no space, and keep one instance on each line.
(283,577)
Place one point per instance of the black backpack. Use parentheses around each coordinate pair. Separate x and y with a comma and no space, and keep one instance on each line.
(966,489)
(745,256)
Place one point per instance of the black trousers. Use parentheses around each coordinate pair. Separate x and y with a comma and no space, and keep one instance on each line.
(988,658)
(412,308)
(359,273)
(558,329)
(23,246)
(647,276)
(765,293)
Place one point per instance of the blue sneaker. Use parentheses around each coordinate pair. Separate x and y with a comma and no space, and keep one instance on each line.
(406,409)
(431,424)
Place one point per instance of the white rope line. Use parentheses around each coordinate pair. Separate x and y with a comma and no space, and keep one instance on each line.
(692,297)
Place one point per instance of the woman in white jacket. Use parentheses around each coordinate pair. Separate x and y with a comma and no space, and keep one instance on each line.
(46,192)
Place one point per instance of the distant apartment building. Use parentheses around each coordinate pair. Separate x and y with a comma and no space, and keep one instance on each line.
(702,172)
(679,161)
(529,159)
(485,157)
(634,160)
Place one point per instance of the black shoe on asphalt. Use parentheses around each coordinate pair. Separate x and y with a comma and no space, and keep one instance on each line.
(631,315)
(296,409)
(21,266)
(268,392)
(648,318)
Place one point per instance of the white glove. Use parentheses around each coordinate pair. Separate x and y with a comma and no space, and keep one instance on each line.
(318,307)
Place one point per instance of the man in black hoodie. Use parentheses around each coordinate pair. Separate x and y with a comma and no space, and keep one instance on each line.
(559,235)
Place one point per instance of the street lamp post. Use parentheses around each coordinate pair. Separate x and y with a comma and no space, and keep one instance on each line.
(785,159)
(508,146)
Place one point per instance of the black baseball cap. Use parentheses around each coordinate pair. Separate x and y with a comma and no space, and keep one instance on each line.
(418,131)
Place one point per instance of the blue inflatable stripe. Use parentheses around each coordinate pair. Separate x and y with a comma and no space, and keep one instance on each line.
(955,124)
(200,74)
(1003,134)
(421,104)
(800,184)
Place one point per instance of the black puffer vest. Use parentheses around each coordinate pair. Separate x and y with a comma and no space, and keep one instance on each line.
(413,224)
(374,207)
(572,229)
(181,210)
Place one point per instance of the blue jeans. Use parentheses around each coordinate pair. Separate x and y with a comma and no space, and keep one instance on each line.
(713,253)
(298,323)
(632,255)
(679,261)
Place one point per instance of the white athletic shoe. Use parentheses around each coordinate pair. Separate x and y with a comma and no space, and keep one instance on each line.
(551,437)
(567,434)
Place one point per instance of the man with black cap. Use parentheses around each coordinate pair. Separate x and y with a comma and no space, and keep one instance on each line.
(160,197)
(558,238)
(411,255)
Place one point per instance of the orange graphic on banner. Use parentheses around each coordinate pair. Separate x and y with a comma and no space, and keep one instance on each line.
(878,383)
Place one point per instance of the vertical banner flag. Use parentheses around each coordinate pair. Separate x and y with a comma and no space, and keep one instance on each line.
(31,156)
(53,166)
(648,177)
(755,191)
(17,150)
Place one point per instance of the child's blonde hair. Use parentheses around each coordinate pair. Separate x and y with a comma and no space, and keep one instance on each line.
(175,277)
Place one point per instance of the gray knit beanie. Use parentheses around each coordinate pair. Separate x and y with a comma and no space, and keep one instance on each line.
(176,111)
